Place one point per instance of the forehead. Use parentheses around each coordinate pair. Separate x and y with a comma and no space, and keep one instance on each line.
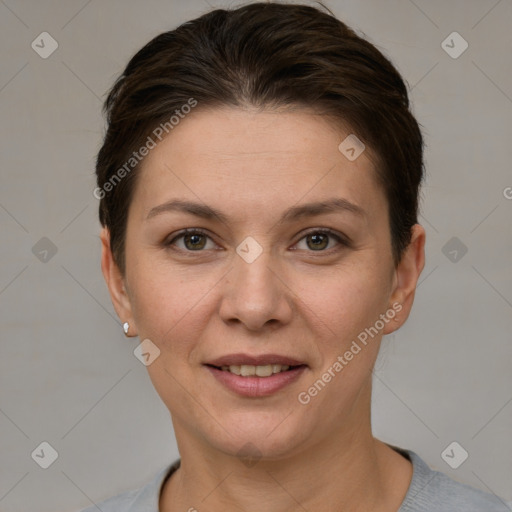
(250,158)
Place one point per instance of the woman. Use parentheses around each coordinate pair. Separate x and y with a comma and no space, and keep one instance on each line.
(258,188)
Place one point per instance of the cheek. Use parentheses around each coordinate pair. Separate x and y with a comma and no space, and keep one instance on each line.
(344,312)
(348,301)
(172,311)
(347,308)
(169,308)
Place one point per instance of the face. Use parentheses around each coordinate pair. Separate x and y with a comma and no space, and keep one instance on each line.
(264,276)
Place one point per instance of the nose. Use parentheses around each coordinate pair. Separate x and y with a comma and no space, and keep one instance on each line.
(256,294)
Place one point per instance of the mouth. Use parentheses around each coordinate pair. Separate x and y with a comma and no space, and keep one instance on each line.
(256,376)
(249,370)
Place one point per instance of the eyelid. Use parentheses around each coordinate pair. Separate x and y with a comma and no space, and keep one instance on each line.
(169,241)
(339,237)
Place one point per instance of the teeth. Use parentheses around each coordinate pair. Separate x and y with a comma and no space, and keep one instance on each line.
(234,369)
(247,370)
(264,371)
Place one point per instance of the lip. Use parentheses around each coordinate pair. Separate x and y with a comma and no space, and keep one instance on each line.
(256,387)
(260,360)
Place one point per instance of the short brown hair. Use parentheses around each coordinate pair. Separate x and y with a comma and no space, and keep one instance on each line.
(265,55)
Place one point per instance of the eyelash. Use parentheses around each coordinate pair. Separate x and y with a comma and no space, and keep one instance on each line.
(198,231)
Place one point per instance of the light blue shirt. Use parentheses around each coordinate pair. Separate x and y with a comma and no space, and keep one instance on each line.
(429,491)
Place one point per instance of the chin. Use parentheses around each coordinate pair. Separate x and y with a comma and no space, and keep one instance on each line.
(254,437)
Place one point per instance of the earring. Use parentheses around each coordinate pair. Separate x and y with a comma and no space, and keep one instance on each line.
(126,326)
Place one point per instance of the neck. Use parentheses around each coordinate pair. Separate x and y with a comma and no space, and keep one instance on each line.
(356,472)
(344,465)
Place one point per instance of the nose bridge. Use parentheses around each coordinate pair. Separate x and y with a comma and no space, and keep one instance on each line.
(255,293)
(256,276)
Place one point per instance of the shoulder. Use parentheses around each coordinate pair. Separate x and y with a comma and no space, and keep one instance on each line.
(116,503)
(143,499)
(433,491)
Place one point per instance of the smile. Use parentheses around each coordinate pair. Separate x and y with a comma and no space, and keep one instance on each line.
(255,381)
(248,370)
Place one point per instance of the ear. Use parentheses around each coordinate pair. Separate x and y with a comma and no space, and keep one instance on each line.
(116,283)
(405,279)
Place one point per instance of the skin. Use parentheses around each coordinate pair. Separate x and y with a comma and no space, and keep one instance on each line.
(295,299)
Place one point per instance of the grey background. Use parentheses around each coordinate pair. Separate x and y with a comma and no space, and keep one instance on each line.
(67,374)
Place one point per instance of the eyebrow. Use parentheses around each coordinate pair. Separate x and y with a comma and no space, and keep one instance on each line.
(333,205)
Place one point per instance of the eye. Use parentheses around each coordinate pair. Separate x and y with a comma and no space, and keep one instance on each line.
(193,240)
(318,239)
